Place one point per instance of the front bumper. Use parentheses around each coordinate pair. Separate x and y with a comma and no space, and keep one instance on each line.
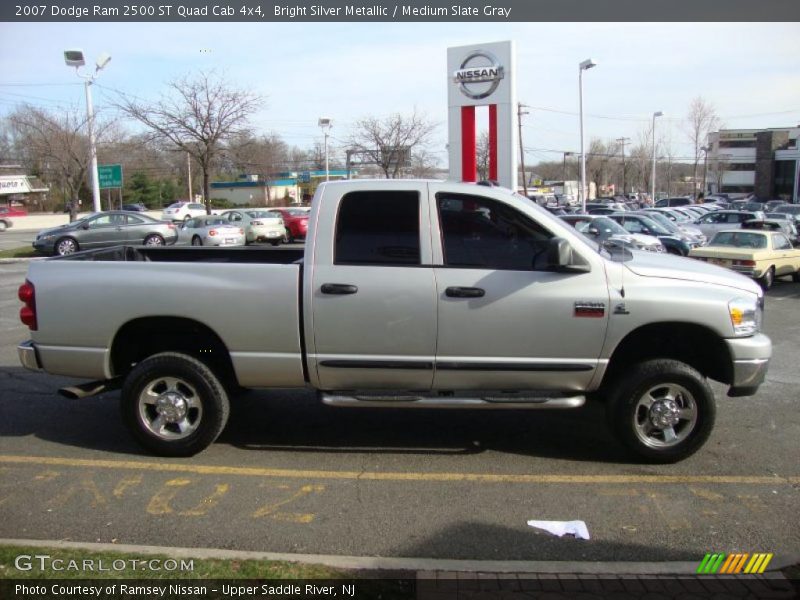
(28,356)
(750,363)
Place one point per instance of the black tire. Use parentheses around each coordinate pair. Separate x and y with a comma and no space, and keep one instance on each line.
(670,386)
(194,402)
(287,237)
(154,240)
(275,242)
(796,276)
(66,245)
(3,225)
(196,241)
(767,279)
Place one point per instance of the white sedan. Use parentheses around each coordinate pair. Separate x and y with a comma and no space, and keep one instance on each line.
(210,230)
(259,225)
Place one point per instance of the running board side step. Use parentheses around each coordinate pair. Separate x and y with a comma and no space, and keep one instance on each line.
(471,402)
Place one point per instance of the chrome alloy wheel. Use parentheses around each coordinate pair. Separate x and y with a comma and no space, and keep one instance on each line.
(170,408)
(665,415)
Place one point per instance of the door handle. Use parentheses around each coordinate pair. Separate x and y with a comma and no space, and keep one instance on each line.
(464,292)
(338,288)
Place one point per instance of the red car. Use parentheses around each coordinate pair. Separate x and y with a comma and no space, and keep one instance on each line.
(296,222)
(13,211)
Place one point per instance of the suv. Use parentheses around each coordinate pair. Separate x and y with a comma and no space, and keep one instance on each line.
(673,202)
(183,211)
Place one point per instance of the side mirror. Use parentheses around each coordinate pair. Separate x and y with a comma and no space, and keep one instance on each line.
(559,257)
(85,226)
(592,231)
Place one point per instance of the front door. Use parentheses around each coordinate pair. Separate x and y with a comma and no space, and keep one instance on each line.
(505,322)
(374,299)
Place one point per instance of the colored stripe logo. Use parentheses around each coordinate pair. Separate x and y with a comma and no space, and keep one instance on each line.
(734,564)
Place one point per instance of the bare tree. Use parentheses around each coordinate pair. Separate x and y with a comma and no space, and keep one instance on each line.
(700,121)
(391,142)
(198,116)
(54,145)
(600,162)
(483,155)
(423,164)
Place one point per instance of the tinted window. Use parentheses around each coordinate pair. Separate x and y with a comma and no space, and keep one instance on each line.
(134,220)
(378,228)
(482,233)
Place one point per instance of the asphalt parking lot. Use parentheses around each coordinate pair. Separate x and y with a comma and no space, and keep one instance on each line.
(290,475)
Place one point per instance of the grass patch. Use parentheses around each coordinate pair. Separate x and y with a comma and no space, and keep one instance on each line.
(201,568)
(23,252)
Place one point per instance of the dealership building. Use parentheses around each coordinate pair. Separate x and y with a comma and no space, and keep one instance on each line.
(764,162)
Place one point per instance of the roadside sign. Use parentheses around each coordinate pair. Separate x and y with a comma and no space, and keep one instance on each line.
(109,176)
(305,177)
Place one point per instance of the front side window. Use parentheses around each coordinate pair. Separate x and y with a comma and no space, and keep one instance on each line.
(378,228)
(482,233)
(104,221)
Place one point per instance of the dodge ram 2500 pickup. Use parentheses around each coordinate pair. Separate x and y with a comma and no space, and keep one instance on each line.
(407,294)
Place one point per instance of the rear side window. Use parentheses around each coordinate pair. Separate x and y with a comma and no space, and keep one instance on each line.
(378,228)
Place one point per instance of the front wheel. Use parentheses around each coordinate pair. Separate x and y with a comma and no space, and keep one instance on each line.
(767,279)
(66,246)
(663,410)
(173,404)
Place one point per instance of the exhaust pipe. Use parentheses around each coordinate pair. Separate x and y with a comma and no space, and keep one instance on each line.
(85,390)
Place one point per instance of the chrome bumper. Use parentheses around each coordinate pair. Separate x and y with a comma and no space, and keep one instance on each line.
(28,356)
(750,363)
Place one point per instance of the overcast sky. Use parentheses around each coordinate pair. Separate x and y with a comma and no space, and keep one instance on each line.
(749,72)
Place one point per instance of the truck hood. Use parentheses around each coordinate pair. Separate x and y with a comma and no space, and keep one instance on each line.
(650,264)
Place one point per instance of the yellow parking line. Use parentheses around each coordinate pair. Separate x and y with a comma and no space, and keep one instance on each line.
(389,475)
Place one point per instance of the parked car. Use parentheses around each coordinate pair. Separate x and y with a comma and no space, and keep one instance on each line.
(783,225)
(762,255)
(210,230)
(260,225)
(425,294)
(13,211)
(181,211)
(102,230)
(679,220)
(792,210)
(295,220)
(607,232)
(693,237)
(644,225)
(544,199)
(137,207)
(665,202)
(773,205)
(724,219)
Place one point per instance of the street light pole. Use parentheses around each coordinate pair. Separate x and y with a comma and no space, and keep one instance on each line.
(75,58)
(564,167)
(706,150)
(622,141)
(325,123)
(585,65)
(653,174)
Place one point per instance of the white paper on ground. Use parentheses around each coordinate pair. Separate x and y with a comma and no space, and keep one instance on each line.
(562,528)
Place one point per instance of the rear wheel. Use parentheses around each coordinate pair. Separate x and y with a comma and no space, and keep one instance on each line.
(154,240)
(663,410)
(796,276)
(767,279)
(66,246)
(196,241)
(173,404)
(3,226)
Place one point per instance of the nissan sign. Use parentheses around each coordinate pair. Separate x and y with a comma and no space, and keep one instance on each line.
(479,75)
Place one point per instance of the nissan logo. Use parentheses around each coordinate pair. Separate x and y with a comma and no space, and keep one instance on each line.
(479,75)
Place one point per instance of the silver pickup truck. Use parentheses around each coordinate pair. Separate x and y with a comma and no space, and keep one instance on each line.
(408,294)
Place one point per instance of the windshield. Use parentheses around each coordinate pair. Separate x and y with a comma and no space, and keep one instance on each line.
(176,205)
(736,239)
(664,222)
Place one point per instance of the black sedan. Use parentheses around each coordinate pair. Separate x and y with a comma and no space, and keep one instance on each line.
(102,230)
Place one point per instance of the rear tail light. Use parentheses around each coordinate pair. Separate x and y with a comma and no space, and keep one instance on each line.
(213,232)
(170,226)
(27,314)
(241,231)
(744,263)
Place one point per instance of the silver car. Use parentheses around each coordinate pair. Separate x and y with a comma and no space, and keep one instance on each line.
(724,219)
(101,230)
(210,230)
(259,225)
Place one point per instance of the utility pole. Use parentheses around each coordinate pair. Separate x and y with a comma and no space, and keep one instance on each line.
(520,112)
(622,141)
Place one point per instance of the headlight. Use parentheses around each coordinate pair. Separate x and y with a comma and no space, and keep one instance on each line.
(745,315)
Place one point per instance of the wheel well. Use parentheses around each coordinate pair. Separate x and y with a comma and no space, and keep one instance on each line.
(692,344)
(140,338)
